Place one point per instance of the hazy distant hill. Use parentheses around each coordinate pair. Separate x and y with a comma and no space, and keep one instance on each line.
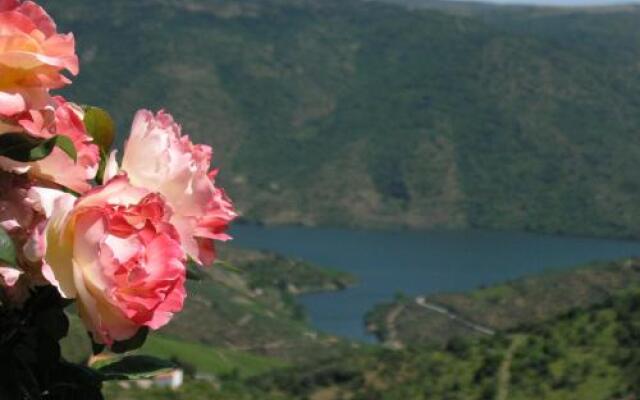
(489,8)
(351,113)
(465,7)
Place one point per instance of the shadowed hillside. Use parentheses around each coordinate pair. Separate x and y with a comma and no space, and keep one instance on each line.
(366,114)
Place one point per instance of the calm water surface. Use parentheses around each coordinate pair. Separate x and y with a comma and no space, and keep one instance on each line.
(419,263)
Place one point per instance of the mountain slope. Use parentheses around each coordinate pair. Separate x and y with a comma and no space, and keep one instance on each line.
(351,113)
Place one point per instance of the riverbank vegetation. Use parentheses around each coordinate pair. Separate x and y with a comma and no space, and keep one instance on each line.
(268,270)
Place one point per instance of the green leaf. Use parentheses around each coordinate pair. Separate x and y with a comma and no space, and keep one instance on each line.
(100,127)
(194,273)
(135,367)
(104,158)
(26,148)
(70,381)
(7,249)
(65,144)
(96,348)
(18,146)
(25,380)
(131,344)
(52,321)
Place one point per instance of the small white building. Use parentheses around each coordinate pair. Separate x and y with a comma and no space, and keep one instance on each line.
(172,379)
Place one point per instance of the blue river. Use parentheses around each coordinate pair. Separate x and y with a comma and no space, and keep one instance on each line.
(389,262)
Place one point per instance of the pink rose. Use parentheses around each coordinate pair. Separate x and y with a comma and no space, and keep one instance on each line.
(17,215)
(14,287)
(157,157)
(32,57)
(115,252)
(9,276)
(62,118)
(22,216)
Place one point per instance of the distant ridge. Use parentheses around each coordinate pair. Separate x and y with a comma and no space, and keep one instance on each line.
(470,6)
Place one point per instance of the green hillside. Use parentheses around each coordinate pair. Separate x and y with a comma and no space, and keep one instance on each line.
(349,113)
(247,303)
(586,354)
(580,341)
(565,336)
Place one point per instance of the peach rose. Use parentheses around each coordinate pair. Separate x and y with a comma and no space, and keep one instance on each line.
(62,118)
(114,251)
(157,157)
(32,57)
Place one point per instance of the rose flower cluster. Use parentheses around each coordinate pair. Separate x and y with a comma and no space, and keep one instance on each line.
(115,237)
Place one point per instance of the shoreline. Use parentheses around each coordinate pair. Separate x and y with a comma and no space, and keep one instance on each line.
(413,229)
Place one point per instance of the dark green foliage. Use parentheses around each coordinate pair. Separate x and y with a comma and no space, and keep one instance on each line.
(32,368)
(24,147)
(75,382)
(628,339)
(131,344)
(458,346)
(7,249)
(134,367)
(100,127)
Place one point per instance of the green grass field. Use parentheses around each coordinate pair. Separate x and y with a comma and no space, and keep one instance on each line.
(208,359)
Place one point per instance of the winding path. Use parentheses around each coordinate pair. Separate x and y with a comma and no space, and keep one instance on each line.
(504,373)
(422,302)
(392,333)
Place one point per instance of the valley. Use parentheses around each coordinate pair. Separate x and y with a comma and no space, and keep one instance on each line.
(572,351)
(463,121)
